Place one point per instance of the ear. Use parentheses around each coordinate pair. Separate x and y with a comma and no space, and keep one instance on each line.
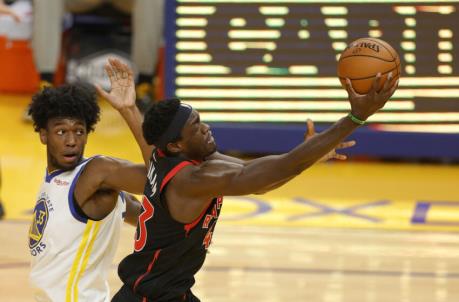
(43,136)
(176,147)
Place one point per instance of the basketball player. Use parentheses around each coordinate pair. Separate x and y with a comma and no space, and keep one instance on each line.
(79,209)
(187,179)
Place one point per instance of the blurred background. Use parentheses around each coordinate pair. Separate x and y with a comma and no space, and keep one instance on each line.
(382,226)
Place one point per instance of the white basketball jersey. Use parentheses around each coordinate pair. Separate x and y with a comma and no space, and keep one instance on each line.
(71,255)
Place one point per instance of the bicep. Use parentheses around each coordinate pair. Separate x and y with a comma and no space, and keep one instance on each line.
(212,178)
(126,176)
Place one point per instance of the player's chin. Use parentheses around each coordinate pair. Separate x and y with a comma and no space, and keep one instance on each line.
(211,148)
(69,162)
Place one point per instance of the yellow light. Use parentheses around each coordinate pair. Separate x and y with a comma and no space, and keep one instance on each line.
(275,22)
(335,22)
(445,33)
(339,46)
(410,57)
(409,34)
(410,22)
(337,34)
(334,10)
(202,69)
(191,22)
(303,69)
(195,10)
(238,22)
(407,45)
(445,45)
(445,57)
(191,45)
(193,57)
(405,10)
(375,33)
(254,45)
(445,69)
(410,69)
(190,34)
(274,10)
(303,34)
(254,34)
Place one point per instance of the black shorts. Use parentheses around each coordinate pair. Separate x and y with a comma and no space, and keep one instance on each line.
(125,294)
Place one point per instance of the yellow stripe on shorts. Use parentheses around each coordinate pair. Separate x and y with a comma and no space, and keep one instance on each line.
(81,260)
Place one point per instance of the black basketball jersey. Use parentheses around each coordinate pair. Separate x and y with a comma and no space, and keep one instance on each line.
(167,254)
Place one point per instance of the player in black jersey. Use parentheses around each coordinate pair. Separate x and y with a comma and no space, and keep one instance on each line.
(186,181)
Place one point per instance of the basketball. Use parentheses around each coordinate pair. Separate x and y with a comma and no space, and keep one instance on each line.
(363,59)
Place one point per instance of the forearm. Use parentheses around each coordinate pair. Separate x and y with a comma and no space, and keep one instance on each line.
(266,173)
(134,119)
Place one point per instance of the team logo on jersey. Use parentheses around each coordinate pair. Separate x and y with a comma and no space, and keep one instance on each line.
(40,219)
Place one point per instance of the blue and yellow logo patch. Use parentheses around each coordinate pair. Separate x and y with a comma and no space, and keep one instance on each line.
(40,218)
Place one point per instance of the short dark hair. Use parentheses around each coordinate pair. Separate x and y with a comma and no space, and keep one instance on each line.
(157,118)
(77,101)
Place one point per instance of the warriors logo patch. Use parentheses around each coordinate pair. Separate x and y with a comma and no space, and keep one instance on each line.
(40,218)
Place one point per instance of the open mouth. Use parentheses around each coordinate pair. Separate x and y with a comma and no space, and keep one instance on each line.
(70,157)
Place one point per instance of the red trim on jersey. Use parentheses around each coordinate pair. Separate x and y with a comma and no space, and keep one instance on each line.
(172,173)
(188,227)
(150,266)
(161,153)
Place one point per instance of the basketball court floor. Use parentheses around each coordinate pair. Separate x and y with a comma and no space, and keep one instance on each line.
(340,232)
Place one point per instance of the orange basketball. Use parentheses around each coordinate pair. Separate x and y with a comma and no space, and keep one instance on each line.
(363,59)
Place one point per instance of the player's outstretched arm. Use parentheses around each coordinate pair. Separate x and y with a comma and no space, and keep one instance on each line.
(198,184)
(122,98)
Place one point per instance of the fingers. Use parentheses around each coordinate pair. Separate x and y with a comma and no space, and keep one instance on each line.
(376,83)
(350,90)
(345,145)
(110,73)
(340,156)
(311,129)
(387,86)
(123,71)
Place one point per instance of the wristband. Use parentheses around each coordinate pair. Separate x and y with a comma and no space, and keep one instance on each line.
(355,120)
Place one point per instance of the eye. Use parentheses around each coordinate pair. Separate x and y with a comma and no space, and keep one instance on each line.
(80,132)
(60,132)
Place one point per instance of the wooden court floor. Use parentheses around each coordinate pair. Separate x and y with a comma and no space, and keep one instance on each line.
(339,232)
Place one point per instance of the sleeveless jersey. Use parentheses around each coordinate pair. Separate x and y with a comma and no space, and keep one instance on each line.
(167,254)
(71,255)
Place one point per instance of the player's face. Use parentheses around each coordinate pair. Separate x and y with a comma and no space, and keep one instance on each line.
(65,139)
(197,139)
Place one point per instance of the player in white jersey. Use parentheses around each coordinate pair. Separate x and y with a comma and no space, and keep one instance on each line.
(77,217)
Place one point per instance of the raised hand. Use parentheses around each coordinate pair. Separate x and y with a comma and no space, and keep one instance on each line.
(122,93)
(365,105)
(332,154)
